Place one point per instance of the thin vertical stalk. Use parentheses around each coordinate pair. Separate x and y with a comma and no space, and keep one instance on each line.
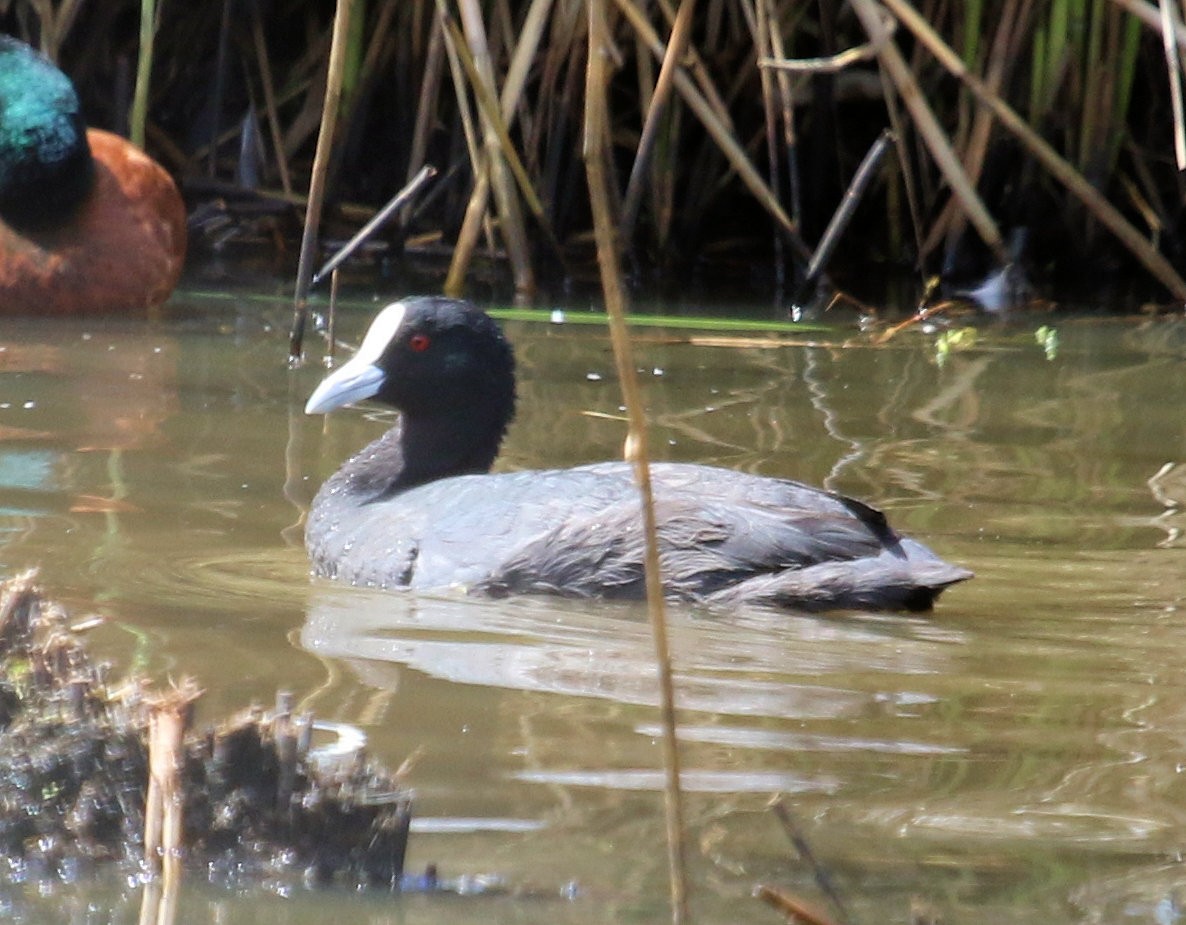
(681,32)
(321,159)
(559,98)
(524,57)
(1130,46)
(136,130)
(493,112)
(170,714)
(265,79)
(972,19)
(1173,67)
(900,131)
(216,93)
(789,134)
(596,155)
(1093,104)
(426,109)
(514,233)
(365,65)
(762,28)
(1056,50)
(356,42)
(475,220)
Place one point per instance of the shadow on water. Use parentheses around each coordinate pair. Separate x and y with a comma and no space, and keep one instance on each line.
(1016,756)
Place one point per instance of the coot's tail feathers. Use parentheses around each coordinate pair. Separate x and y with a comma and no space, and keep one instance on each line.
(887,582)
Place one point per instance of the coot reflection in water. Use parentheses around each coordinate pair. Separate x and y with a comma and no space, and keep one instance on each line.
(418,508)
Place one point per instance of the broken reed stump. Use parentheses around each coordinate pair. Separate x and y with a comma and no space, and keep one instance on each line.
(78,786)
(169,717)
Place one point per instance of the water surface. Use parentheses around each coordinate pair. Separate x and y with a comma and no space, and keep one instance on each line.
(1016,756)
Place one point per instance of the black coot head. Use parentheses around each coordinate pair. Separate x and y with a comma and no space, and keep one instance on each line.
(427,357)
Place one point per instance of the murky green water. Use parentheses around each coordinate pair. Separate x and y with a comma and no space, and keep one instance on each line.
(1016,756)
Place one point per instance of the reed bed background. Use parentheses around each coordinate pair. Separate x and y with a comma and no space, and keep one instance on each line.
(1041,133)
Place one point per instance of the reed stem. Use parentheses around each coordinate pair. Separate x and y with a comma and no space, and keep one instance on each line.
(321,161)
(596,157)
(681,32)
(265,79)
(514,233)
(139,117)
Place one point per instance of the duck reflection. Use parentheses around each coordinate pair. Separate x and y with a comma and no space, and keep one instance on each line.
(69,394)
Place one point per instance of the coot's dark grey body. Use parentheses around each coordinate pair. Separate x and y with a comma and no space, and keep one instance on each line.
(417,508)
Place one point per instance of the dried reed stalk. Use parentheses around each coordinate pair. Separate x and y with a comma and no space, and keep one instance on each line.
(380,218)
(844,212)
(321,160)
(476,216)
(763,25)
(677,45)
(695,66)
(430,84)
(787,105)
(1173,67)
(597,129)
(514,233)
(265,79)
(498,124)
(55,24)
(169,717)
(524,57)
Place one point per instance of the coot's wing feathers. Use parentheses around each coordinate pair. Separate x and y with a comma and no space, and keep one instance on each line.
(909,578)
(725,536)
(454,531)
(716,528)
(477,520)
(369,548)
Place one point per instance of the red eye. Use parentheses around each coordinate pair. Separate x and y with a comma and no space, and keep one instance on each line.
(418,343)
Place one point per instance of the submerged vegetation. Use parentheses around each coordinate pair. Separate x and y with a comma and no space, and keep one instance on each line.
(1042,133)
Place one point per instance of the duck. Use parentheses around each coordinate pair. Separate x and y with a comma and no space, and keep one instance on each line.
(89,223)
(420,509)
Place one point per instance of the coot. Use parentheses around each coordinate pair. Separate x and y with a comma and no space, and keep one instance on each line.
(419,508)
(88,222)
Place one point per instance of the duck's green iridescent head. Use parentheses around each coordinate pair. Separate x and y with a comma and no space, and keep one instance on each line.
(45,162)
